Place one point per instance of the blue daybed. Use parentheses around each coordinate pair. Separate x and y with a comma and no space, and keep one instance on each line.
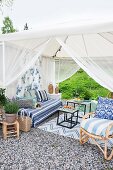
(39,114)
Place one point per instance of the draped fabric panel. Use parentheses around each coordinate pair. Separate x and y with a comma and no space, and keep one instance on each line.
(47,72)
(93,54)
(1,65)
(64,68)
(15,60)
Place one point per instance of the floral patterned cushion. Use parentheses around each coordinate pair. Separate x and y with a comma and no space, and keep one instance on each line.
(32,93)
(27,94)
(104,109)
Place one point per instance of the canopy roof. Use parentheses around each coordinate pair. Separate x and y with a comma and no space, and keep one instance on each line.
(88,43)
(64,29)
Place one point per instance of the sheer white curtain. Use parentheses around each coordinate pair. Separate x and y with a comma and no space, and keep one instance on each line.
(94,54)
(64,68)
(47,72)
(1,63)
(15,59)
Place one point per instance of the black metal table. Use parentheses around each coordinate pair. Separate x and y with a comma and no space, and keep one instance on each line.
(68,117)
(80,103)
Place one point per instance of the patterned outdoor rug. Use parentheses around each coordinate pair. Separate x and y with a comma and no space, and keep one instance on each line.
(41,150)
(51,126)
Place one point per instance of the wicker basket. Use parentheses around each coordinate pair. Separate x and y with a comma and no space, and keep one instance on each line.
(24,123)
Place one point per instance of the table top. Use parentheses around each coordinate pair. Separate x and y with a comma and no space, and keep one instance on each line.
(68,110)
(80,101)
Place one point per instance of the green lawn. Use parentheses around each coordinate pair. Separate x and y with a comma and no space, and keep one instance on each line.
(80,84)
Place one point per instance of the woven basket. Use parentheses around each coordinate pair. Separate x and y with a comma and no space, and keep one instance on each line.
(24,123)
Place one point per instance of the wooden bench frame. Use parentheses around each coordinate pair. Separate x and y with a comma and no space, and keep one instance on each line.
(84,136)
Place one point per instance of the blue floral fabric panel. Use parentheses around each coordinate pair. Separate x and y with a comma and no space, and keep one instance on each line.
(104,109)
(31,80)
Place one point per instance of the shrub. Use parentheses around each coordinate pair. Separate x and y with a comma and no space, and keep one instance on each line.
(66,95)
(86,95)
(83,85)
(11,107)
(3,98)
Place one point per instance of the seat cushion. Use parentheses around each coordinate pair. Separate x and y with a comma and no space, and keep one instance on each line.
(104,109)
(96,126)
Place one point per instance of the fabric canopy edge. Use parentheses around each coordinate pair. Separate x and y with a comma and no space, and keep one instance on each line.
(60,30)
(72,54)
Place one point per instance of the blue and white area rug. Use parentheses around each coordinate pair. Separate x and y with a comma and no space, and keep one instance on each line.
(51,126)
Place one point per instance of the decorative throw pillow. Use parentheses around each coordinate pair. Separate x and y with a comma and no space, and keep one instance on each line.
(44,95)
(25,103)
(38,96)
(104,109)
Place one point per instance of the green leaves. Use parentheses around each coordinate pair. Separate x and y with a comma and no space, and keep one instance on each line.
(81,85)
(3,98)
(11,107)
(8,26)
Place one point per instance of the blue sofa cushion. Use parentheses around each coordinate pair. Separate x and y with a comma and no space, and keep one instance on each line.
(104,109)
(97,126)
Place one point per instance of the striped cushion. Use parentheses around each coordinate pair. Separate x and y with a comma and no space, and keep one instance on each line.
(40,114)
(96,126)
(38,96)
(44,95)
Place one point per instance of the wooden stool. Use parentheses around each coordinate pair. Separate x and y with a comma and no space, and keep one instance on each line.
(10,129)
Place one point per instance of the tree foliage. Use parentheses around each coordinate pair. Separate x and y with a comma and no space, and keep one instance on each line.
(7,3)
(7,26)
(81,85)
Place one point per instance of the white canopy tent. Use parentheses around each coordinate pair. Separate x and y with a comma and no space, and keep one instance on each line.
(89,44)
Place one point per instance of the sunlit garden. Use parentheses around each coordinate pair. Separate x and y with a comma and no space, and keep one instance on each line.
(82,86)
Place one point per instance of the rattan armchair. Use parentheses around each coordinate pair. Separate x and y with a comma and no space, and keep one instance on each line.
(85,135)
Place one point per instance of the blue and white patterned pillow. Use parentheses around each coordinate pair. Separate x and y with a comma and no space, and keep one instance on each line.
(104,109)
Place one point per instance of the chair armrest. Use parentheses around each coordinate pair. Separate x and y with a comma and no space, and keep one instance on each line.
(108,129)
(87,115)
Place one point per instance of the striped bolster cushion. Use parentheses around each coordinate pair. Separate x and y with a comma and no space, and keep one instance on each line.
(96,126)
